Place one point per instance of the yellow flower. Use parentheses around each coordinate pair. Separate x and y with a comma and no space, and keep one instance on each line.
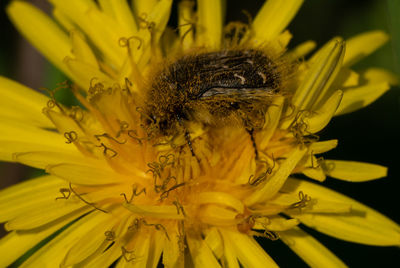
(116,192)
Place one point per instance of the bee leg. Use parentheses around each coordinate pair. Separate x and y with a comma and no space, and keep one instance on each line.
(189,142)
(251,133)
(187,135)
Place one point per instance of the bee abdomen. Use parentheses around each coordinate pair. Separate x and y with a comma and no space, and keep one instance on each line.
(224,73)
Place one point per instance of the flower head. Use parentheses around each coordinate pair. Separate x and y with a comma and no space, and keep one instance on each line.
(135,181)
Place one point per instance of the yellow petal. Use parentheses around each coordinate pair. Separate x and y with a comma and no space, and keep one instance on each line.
(84,72)
(16,131)
(375,82)
(160,16)
(353,171)
(156,246)
(44,158)
(170,42)
(229,256)
(279,44)
(143,7)
(273,18)
(315,173)
(209,25)
(201,254)
(42,32)
(309,249)
(278,178)
(321,117)
(380,75)
(217,216)
(89,242)
(106,258)
(362,45)
(323,146)
(84,174)
(54,250)
(65,124)
(362,225)
(324,206)
(22,103)
(360,97)
(301,50)
(222,199)
(352,228)
(124,16)
(214,241)
(247,250)
(107,8)
(19,137)
(157,16)
(101,29)
(277,223)
(171,253)
(320,76)
(25,196)
(345,78)
(166,211)
(9,147)
(82,50)
(55,210)
(62,19)
(272,118)
(141,250)
(16,243)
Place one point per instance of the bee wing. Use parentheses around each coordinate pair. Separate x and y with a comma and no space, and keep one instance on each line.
(237,94)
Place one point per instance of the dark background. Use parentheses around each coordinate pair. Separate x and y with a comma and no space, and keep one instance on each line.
(369,135)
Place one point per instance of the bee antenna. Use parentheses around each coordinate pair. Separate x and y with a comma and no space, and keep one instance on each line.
(253,141)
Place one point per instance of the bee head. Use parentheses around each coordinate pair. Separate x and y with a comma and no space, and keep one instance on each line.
(163,122)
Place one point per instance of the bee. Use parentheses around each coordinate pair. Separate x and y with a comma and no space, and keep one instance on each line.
(221,88)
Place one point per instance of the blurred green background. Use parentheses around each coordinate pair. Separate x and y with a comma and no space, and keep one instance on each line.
(369,135)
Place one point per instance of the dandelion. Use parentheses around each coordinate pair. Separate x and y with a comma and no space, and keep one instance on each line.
(117,190)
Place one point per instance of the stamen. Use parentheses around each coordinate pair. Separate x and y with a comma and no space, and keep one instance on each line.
(63,191)
(110,235)
(179,208)
(71,136)
(135,226)
(53,102)
(125,42)
(263,176)
(299,129)
(158,227)
(164,160)
(106,150)
(123,126)
(246,223)
(133,134)
(304,201)
(165,194)
(163,186)
(181,237)
(125,252)
(271,235)
(76,113)
(84,201)
(319,160)
(143,23)
(106,135)
(190,29)
(134,193)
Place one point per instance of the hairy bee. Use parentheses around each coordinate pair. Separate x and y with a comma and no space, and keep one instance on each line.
(228,87)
